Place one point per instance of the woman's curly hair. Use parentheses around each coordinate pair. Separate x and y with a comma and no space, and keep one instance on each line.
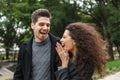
(90,48)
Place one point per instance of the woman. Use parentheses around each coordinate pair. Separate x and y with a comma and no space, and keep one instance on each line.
(82,52)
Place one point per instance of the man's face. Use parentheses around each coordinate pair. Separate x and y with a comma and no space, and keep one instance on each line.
(41,28)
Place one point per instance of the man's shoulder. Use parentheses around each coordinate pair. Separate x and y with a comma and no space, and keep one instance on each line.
(28,41)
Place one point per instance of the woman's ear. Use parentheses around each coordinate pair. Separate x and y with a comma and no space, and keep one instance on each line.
(73,43)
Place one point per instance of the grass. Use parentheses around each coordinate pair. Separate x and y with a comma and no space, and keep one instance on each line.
(113,66)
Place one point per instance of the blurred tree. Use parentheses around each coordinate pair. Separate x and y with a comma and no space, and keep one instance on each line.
(16,27)
(114,23)
(22,10)
(101,12)
(63,12)
(7,30)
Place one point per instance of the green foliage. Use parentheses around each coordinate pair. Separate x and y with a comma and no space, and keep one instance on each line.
(63,13)
(2,56)
(18,17)
(114,25)
(7,30)
(22,13)
(113,66)
(106,15)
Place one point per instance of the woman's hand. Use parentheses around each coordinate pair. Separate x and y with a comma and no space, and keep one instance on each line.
(64,56)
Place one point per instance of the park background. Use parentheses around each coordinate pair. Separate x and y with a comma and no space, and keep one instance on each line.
(15,20)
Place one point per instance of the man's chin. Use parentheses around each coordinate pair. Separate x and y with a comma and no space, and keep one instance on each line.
(44,37)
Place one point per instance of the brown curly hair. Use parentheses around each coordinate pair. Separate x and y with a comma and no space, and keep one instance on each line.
(90,48)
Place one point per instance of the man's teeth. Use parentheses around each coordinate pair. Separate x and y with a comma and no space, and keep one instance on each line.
(42,33)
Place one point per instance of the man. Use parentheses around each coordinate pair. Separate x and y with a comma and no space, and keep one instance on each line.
(37,56)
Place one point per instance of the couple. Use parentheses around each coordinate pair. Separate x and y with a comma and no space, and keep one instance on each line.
(80,51)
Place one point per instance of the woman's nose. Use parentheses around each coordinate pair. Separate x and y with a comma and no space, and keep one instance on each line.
(61,40)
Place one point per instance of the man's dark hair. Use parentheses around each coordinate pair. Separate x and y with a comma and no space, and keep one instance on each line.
(40,13)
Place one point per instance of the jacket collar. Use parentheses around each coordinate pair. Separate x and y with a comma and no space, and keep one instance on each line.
(53,40)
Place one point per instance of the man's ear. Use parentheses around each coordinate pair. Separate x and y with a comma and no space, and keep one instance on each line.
(32,25)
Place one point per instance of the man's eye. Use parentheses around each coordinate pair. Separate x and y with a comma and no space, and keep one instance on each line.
(41,24)
(48,25)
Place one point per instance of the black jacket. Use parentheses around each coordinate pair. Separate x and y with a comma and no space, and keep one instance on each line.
(24,64)
(71,73)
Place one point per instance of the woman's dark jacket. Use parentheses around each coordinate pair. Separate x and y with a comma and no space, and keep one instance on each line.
(71,73)
(24,64)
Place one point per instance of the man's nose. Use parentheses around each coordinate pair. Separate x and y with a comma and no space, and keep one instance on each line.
(45,27)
